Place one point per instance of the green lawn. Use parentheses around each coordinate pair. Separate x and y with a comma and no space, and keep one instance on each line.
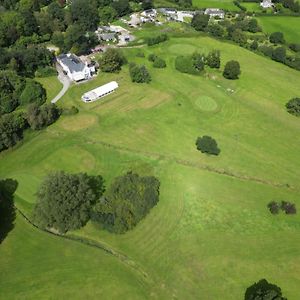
(52,84)
(211,235)
(224,4)
(289,26)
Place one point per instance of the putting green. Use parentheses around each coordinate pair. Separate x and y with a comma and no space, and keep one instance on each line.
(206,103)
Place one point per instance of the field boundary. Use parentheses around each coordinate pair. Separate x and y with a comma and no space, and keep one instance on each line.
(195,165)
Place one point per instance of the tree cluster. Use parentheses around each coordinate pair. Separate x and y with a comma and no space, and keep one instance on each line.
(139,74)
(287,207)
(127,201)
(207,144)
(194,64)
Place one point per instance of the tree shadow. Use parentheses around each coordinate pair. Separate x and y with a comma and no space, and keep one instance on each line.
(7,208)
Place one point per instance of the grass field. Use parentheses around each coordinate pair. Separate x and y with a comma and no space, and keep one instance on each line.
(52,84)
(211,235)
(289,26)
(224,4)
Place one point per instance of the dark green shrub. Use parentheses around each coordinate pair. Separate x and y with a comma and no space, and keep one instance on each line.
(207,144)
(274,207)
(279,54)
(277,38)
(288,208)
(156,40)
(213,59)
(293,107)
(111,61)
(152,57)
(200,22)
(70,111)
(263,290)
(185,64)
(232,70)
(127,201)
(159,63)
(139,74)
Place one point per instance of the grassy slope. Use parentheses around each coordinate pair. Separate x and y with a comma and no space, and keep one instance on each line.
(211,235)
(35,265)
(288,25)
(52,84)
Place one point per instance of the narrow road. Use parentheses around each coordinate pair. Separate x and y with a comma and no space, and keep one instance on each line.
(66,82)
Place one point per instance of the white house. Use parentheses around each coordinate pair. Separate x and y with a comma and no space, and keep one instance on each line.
(215,12)
(181,15)
(149,13)
(74,68)
(266,4)
(100,92)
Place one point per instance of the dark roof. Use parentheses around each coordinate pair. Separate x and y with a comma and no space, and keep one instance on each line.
(72,62)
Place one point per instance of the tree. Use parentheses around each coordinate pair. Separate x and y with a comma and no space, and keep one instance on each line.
(216,30)
(11,86)
(111,61)
(279,54)
(147,4)
(263,290)
(121,6)
(232,70)
(64,201)
(239,37)
(213,59)
(274,207)
(107,14)
(39,117)
(254,45)
(7,208)
(11,130)
(159,63)
(200,22)
(207,144)
(293,107)
(277,38)
(127,201)
(186,64)
(85,13)
(33,92)
(253,26)
(139,74)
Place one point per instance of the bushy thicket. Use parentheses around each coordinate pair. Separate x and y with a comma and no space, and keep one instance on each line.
(111,61)
(207,144)
(156,39)
(232,70)
(139,74)
(11,130)
(128,200)
(293,107)
(33,93)
(39,117)
(287,207)
(64,201)
(263,290)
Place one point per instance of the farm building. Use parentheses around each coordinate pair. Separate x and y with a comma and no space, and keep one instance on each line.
(75,68)
(100,92)
(215,12)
